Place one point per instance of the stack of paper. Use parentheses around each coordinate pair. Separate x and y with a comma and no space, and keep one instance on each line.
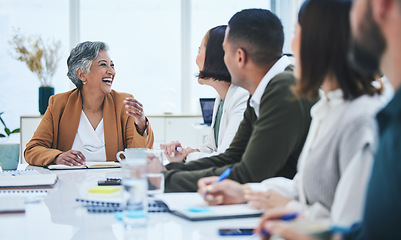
(22,186)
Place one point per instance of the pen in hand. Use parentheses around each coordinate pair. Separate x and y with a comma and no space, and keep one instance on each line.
(286,217)
(223,176)
(82,161)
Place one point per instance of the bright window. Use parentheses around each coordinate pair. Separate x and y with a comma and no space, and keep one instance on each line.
(207,14)
(145,39)
(19,86)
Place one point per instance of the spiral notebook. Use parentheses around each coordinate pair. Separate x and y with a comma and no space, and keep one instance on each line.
(24,192)
(104,206)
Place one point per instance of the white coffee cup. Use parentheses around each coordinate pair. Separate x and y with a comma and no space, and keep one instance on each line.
(132,153)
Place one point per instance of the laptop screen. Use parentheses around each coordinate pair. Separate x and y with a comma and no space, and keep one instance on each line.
(207,105)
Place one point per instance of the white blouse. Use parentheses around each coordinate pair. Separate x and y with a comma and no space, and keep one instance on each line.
(89,141)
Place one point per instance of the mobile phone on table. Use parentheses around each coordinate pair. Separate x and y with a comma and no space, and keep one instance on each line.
(109,182)
(236,231)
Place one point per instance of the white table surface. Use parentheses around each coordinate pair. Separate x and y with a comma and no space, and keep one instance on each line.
(58,216)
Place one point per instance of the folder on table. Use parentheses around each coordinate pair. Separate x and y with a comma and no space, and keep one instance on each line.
(191,206)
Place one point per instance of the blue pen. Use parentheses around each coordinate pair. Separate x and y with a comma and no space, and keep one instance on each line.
(223,176)
(287,217)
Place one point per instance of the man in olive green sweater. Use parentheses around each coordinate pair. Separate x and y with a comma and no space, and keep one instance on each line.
(272,133)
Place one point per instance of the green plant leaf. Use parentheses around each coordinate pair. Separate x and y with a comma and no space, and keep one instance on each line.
(7,131)
(15,131)
(1,119)
(2,135)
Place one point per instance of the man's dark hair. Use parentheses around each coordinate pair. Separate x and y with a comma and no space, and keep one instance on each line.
(214,66)
(259,33)
(324,50)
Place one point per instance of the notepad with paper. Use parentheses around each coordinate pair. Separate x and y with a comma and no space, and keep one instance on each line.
(91,165)
(26,179)
(191,206)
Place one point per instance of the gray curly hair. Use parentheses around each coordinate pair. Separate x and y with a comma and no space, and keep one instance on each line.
(81,57)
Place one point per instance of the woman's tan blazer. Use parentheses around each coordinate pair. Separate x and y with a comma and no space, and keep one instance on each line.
(56,132)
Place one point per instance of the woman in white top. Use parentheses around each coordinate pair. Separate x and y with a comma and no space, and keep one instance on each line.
(229,105)
(335,162)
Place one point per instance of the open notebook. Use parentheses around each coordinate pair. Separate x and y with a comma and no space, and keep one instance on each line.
(191,206)
(87,165)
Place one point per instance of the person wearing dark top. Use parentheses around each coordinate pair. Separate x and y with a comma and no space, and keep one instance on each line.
(271,136)
(379,46)
(376,28)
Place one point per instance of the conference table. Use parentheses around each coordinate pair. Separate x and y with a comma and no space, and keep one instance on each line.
(58,216)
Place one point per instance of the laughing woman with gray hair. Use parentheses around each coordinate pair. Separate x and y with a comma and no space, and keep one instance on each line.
(91,122)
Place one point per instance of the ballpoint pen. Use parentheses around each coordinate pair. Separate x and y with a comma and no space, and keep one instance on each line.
(221,178)
(224,175)
(286,217)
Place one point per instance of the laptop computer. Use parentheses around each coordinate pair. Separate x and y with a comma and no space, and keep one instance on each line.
(207,105)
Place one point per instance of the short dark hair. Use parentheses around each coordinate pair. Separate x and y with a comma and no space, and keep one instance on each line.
(259,32)
(81,57)
(325,39)
(214,66)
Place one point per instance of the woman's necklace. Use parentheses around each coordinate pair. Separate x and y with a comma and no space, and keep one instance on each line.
(87,109)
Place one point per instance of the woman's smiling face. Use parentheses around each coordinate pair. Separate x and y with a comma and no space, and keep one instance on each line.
(101,73)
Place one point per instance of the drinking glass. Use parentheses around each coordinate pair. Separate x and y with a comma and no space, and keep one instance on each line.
(155,171)
(134,188)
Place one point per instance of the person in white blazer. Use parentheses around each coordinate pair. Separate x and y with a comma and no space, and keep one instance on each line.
(231,98)
(233,111)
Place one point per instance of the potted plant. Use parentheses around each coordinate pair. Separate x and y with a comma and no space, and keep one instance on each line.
(9,152)
(41,59)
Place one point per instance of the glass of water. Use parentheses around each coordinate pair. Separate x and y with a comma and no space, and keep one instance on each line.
(155,171)
(134,189)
